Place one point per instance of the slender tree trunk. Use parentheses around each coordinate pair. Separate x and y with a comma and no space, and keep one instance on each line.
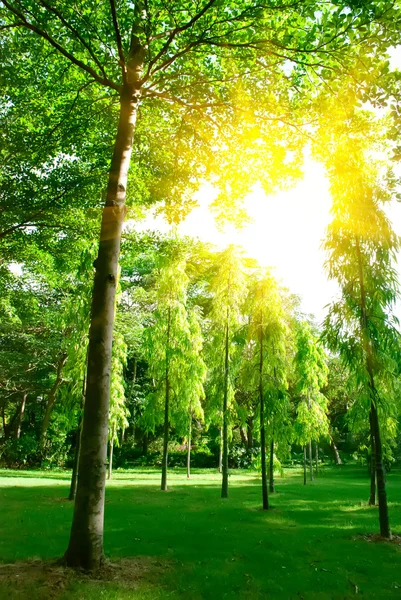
(20,416)
(372,466)
(310,461)
(265,498)
(337,456)
(374,418)
(224,486)
(271,467)
(317,458)
(221,451)
(74,476)
(166,408)
(3,417)
(304,465)
(85,547)
(51,399)
(244,439)
(250,433)
(111,447)
(189,446)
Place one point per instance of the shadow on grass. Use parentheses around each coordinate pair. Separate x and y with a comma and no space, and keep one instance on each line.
(225,548)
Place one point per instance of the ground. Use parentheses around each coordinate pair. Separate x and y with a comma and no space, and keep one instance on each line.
(189,543)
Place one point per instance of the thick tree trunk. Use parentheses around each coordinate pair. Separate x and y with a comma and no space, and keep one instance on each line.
(271,467)
(110,466)
(85,548)
(310,461)
(189,446)
(221,451)
(20,416)
(51,399)
(317,458)
(304,465)
(224,486)
(166,408)
(265,498)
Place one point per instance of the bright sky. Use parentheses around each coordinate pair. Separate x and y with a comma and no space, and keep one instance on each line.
(286,232)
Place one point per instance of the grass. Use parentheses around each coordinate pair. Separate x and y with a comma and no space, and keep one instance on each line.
(189,543)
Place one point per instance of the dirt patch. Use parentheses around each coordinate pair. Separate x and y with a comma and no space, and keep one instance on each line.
(376,538)
(51,579)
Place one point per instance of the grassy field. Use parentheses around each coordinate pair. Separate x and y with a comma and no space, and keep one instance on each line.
(189,543)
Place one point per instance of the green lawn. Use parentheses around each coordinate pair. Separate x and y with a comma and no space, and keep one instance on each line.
(192,544)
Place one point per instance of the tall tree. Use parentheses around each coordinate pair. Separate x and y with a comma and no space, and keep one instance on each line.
(228,288)
(311,376)
(362,246)
(267,334)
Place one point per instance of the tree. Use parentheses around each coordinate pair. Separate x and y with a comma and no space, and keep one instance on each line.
(311,376)
(174,345)
(267,332)
(361,248)
(228,288)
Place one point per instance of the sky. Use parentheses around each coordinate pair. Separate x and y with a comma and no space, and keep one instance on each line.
(286,231)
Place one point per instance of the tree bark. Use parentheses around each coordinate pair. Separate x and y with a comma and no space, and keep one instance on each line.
(271,467)
(380,476)
(305,465)
(166,408)
(310,461)
(20,416)
(250,432)
(74,476)
(51,399)
(85,547)
(189,446)
(110,466)
(244,439)
(221,451)
(372,469)
(337,456)
(224,486)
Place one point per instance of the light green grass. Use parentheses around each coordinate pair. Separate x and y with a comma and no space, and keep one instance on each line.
(214,548)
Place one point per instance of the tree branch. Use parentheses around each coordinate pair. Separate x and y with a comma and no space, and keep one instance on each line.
(102,80)
(119,41)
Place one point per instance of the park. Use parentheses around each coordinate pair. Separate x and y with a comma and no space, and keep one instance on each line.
(200,342)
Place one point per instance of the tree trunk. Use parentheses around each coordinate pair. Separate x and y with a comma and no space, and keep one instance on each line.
(304,465)
(189,446)
(317,458)
(337,456)
(166,409)
(111,447)
(20,416)
(310,461)
(51,400)
(250,432)
(74,476)
(85,547)
(221,451)
(244,439)
(380,477)
(224,486)
(271,467)
(265,498)
(372,469)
